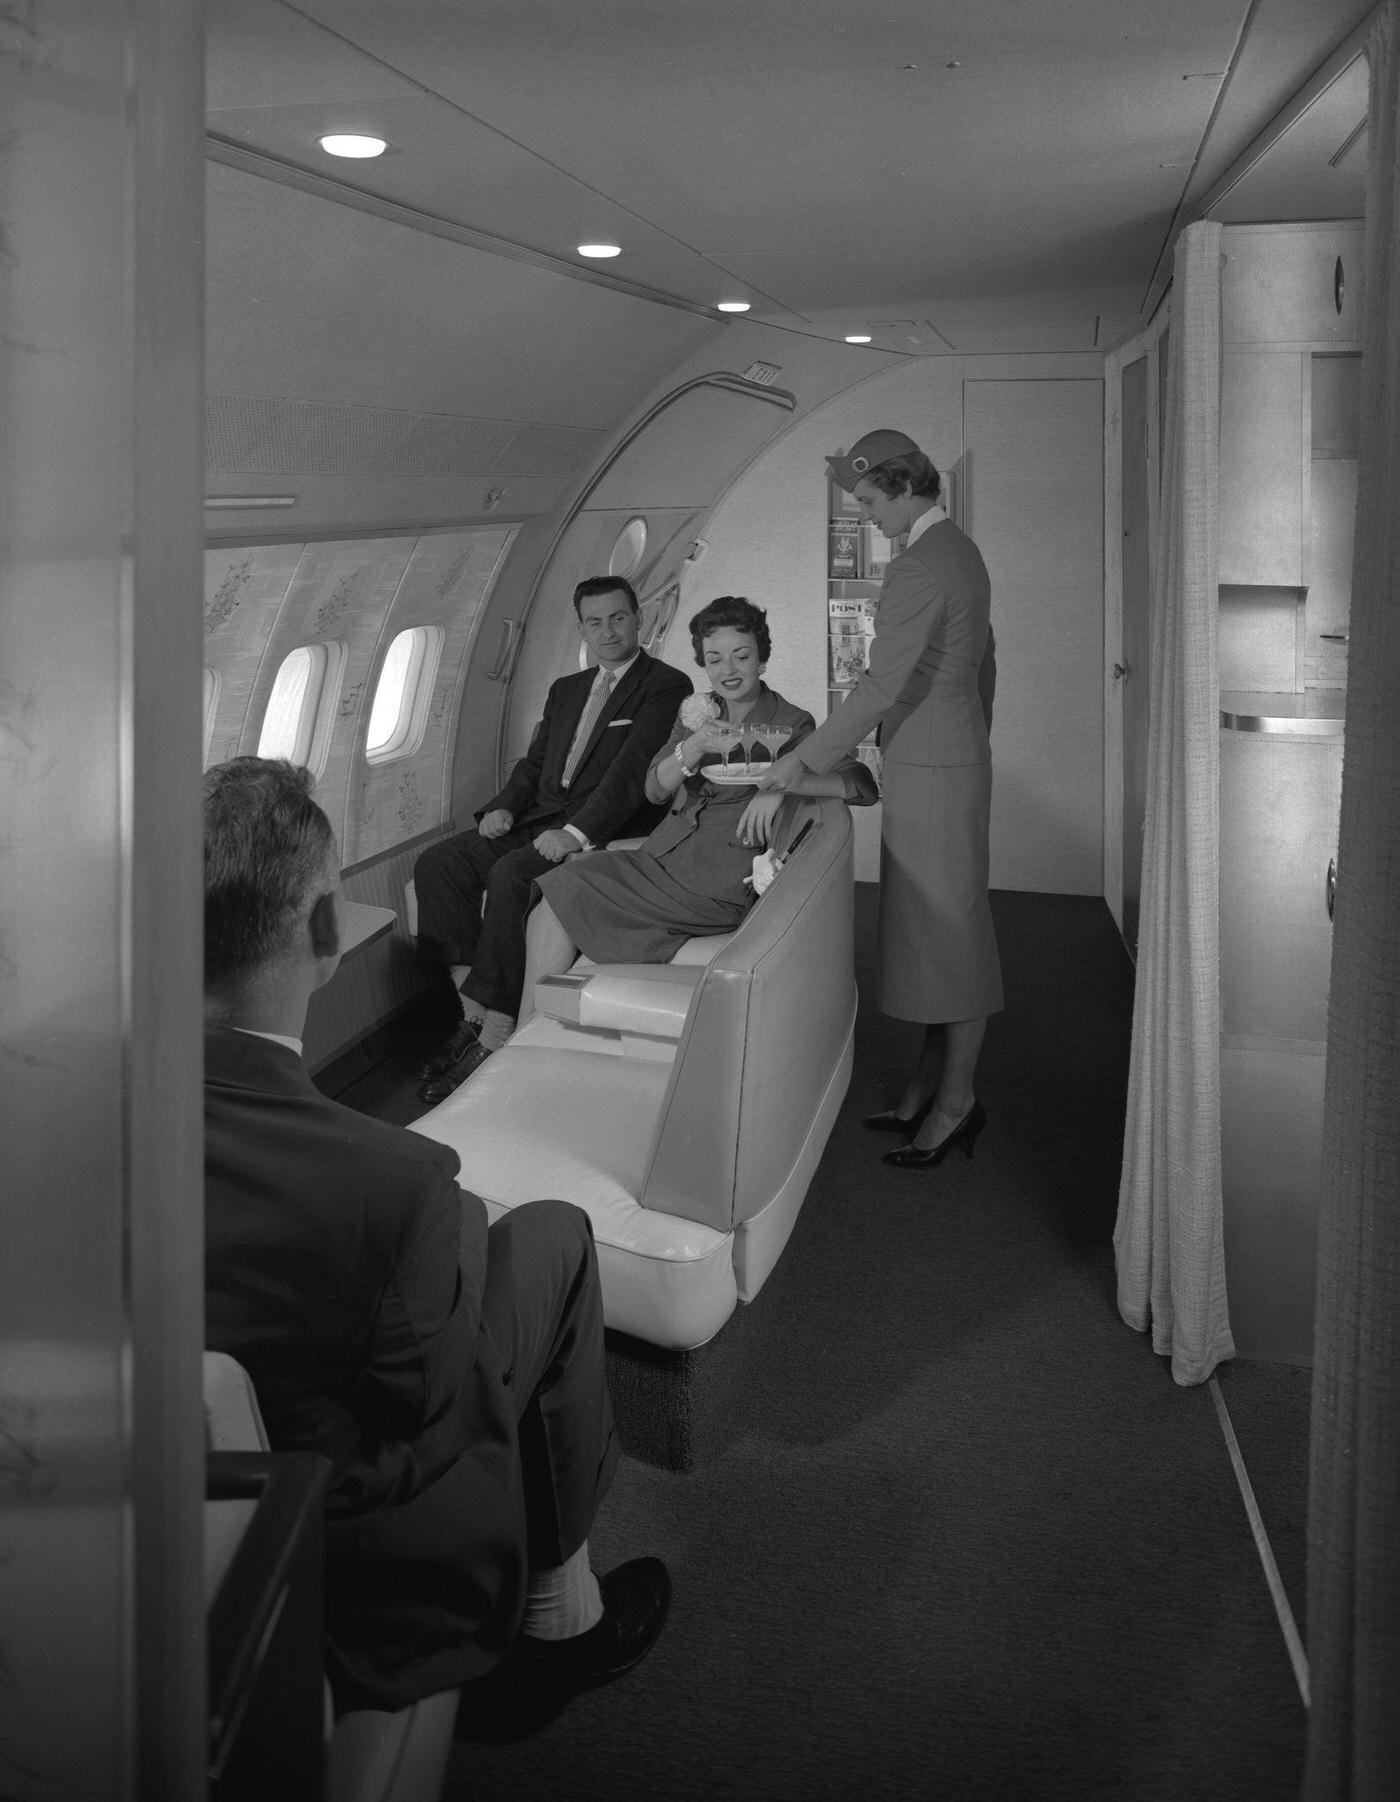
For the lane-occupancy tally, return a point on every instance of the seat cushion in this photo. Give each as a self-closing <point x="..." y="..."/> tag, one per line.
<point x="537" y="1121"/>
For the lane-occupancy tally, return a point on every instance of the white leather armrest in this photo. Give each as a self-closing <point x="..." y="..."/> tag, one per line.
<point x="642" y="998"/>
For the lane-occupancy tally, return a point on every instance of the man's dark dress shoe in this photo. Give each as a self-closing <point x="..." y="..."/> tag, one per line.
<point x="913" y="1157"/>
<point x="456" y="1048"/>
<point x="438" y="1088"/>
<point x="636" y="1597"/>
<point x="541" y="1677"/>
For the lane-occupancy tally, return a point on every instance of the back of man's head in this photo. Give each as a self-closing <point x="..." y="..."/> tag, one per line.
<point x="267" y="849"/>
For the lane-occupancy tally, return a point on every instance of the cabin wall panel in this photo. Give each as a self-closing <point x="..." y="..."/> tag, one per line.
<point x="262" y="601"/>
<point x="446" y="584"/>
<point x="244" y="589"/>
<point x="340" y="593"/>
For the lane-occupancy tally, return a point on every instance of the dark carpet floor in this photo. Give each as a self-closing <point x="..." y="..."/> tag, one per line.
<point x="968" y="1539"/>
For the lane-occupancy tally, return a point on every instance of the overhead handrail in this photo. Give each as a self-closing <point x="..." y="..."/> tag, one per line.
<point x="512" y="636"/>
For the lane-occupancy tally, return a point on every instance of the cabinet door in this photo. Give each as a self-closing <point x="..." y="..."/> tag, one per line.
<point x="1262" y="492"/>
<point x="1280" y="802"/>
<point x="1282" y="284"/>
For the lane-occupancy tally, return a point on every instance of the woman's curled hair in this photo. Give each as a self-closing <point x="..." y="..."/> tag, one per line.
<point x="731" y="610"/>
<point x="914" y="468"/>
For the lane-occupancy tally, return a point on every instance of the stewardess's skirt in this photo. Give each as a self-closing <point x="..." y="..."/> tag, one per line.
<point x="938" y="955"/>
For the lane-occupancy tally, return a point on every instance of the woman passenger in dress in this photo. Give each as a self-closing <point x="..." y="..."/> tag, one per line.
<point x="928" y="688"/>
<point x="691" y="875"/>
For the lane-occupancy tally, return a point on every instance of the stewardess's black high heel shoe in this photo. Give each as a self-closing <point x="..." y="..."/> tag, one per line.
<point x="910" y="1157"/>
<point x="890" y="1122"/>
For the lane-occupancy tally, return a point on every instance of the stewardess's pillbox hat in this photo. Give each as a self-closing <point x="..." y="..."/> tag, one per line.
<point x="865" y="453"/>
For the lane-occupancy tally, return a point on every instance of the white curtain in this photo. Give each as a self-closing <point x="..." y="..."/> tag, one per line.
<point x="1354" y="1500"/>
<point x="1169" y="1238"/>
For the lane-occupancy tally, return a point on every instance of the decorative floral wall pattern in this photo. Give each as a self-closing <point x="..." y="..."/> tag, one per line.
<point x="227" y="595"/>
<point x="342" y="597"/>
<point x="410" y="807"/>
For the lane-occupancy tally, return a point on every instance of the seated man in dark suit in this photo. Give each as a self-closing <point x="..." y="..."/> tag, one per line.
<point x="582" y="782"/>
<point x="452" y="1373"/>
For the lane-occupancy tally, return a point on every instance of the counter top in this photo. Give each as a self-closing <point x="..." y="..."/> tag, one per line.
<point x="361" y="925"/>
<point x="1318" y="713"/>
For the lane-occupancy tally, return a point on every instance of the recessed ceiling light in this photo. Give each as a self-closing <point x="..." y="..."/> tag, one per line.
<point x="352" y="144"/>
<point x="733" y="306"/>
<point x="600" y="250"/>
<point x="857" y="337"/>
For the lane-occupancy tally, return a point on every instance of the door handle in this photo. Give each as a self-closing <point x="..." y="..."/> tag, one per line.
<point x="1331" y="888"/>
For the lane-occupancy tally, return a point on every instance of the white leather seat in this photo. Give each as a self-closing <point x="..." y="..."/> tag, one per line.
<point x="684" y="1108"/>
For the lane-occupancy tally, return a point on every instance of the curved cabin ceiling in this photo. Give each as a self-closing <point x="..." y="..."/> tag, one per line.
<point x="413" y="334"/>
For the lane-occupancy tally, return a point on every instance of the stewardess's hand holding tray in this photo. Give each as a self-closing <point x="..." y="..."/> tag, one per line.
<point x="784" y="777"/>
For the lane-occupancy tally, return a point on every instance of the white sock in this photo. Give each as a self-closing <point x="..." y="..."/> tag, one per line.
<point x="563" y="1601"/>
<point x="496" y="1028"/>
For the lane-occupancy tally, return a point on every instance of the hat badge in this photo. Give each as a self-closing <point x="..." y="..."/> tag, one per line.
<point x="860" y="464"/>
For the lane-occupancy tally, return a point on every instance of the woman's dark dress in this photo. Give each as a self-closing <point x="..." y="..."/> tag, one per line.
<point x="639" y="907"/>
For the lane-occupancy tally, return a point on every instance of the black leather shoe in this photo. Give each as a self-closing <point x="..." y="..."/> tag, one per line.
<point x="636" y="1597"/>
<point x="911" y="1157"/>
<point x="453" y="1051"/>
<point x="438" y="1088"/>
<point x="539" y="1678"/>
<point x="890" y="1121"/>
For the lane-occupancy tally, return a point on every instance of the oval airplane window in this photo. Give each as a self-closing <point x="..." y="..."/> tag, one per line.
<point x="297" y="724"/>
<point x="400" y="711"/>
<point x="286" y="726"/>
<point x="628" y="549"/>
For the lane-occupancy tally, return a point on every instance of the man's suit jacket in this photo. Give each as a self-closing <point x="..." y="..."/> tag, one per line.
<point x="607" y="797"/>
<point x="344" y="1269"/>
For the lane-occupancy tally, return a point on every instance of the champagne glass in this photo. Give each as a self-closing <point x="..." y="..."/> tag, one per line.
<point x="727" y="734"/>
<point x="773" y="736"/>
<point x="749" y="736"/>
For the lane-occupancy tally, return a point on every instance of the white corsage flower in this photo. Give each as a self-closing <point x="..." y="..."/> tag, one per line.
<point x="697" y="709"/>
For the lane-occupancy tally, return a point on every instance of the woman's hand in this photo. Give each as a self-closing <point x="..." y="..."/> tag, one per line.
<point x="709" y="737"/>
<point x="756" y="821"/>
<point x="783" y="777"/>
